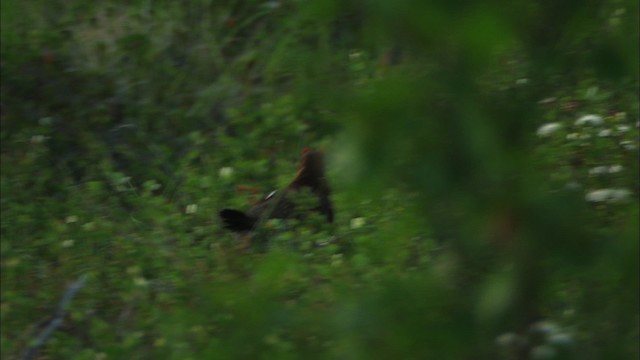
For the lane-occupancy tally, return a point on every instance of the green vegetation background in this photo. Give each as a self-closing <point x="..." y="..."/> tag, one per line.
<point x="465" y="229"/>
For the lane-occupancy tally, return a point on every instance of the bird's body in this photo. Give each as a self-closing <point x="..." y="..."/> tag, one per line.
<point x="279" y="204"/>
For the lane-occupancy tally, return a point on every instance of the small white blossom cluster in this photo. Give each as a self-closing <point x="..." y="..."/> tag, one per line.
<point x="549" y="339"/>
<point x="357" y="223"/>
<point x="592" y="120"/>
<point x="140" y="281"/>
<point x="628" y="144"/>
<point x="586" y="120"/>
<point x="71" y="219"/>
<point x="191" y="209"/>
<point x="617" y="130"/>
<point x="68" y="243"/>
<point x="586" y="127"/>
<point x="600" y="170"/>
<point x="611" y="195"/>
<point x="225" y="172"/>
<point x="39" y="139"/>
<point x="548" y="129"/>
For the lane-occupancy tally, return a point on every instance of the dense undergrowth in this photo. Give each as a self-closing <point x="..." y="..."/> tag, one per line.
<point x="483" y="159"/>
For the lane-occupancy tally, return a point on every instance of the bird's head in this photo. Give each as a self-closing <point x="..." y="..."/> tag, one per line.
<point x="311" y="163"/>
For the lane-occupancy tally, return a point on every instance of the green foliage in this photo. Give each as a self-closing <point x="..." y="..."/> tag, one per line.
<point x="483" y="161"/>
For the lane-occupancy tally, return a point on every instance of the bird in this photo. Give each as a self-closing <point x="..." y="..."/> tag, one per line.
<point x="281" y="204"/>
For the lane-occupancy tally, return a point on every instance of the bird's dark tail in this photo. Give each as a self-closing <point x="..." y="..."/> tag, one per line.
<point x="236" y="220"/>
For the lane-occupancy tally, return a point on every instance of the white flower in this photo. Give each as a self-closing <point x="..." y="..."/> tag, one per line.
<point x="604" y="133"/>
<point x="508" y="340"/>
<point x="621" y="115"/>
<point x="561" y="339"/>
<point x="191" y="209"/>
<point x="619" y="195"/>
<point x="589" y="120"/>
<point x="585" y="136"/>
<point x="598" y="170"/>
<point x="71" y="219"/>
<point x="608" y="195"/>
<point x="548" y="100"/>
<point x="598" y="195"/>
<point x="357" y="223"/>
<point x="68" y="243"/>
<point x="615" y="168"/>
<point x="622" y="128"/>
<point x="225" y="172"/>
<point x="627" y="145"/>
<point x="544" y="327"/>
<point x="140" y="281"/>
<point x="354" y="55"/>
<point x="572" y="136"/>
<point x="548" y="129"/>
<point x="38" y="139"/>
<point x="523" y="81"/>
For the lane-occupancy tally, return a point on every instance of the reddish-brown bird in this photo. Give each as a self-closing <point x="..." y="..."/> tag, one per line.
<point x="278" y="204"/>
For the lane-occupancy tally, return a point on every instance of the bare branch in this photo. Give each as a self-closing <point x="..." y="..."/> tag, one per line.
<point x="57" y="319"/>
